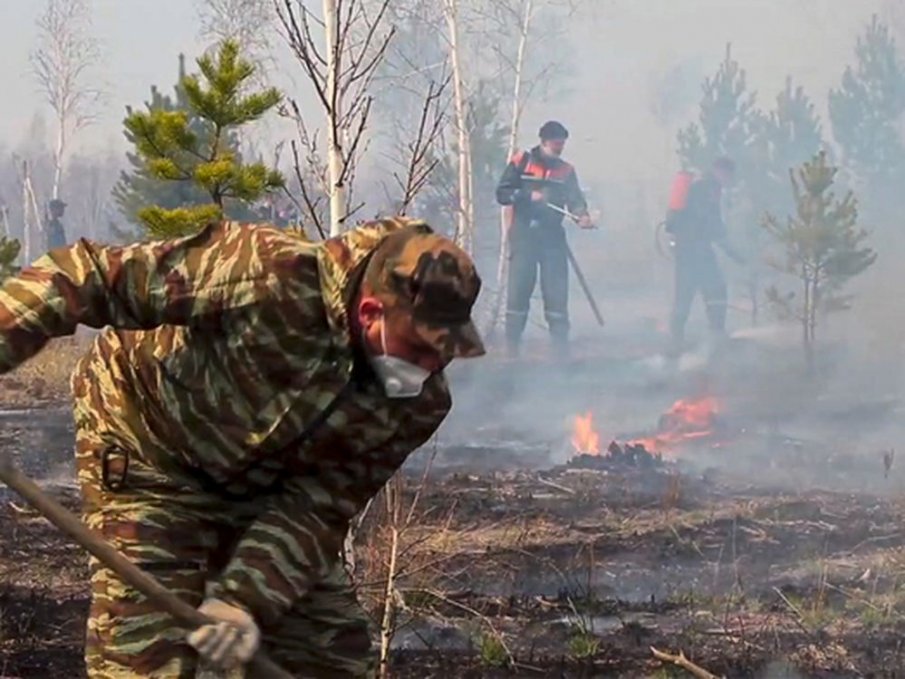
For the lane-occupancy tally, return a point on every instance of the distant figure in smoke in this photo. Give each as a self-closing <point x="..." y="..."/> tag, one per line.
<point x="56" y="236"/>
<point x="696" y="224"/>
<point x="534" y="181"/>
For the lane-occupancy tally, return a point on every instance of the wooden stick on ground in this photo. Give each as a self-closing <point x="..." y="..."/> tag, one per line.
<point x="564" y="489"/>
<point x="683" y="662"/>
<point x="259" y="666"/>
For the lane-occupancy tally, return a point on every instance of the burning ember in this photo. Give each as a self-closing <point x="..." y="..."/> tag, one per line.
<point x="585" y="439"/>
<point x="686" y="420"/>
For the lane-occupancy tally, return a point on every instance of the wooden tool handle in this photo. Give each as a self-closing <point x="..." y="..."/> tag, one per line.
<point x="259" y="666"/>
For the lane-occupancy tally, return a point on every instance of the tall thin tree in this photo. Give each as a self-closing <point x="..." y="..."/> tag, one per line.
<point x="465" y="212"/>
<point x="62" y="63"/>
<point x="340" y="64"/>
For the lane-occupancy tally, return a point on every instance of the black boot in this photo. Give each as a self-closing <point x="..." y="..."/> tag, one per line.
<point x="515" y="326"/>
<point x="559" y="345"/>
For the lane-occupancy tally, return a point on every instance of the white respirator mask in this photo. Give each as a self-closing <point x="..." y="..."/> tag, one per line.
<point x="400" y="379"/>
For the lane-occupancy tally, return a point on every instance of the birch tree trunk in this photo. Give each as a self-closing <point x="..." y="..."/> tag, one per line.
<point x="4" y="213"/>
<point x="26" y="220"/>
<point x="32" y="225"/>
<point x="58" y="158"/>
<point x="506" y="212"/>
<point x="465" y="214"/>
<point x="517" y="83"/>
<point x="39" y="232"/>
<point x="334" y="119"/>
<point x="469" y="190"/>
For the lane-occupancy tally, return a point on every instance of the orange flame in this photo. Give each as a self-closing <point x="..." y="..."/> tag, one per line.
<point x="695" y="415"/>
<point x="585" y="438"/>
<point x="684" y="421"/>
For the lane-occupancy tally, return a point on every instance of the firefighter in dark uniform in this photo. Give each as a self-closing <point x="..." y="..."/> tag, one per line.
<point x="56" y="236"/>
<point x="534" y="181"/>
<point x="695" y="230"/>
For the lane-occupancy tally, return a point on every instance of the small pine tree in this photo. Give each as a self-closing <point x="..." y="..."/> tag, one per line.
<point x="9" y="253"/>
<point x="726" y="123"/>
<point x="823" y="248"/>
<point x="787" y="137"/>
<point x="193" y="147"/>
<point x="489" y="138"/>
<point x="138" y="188"/>
<point x="865" y="113"/>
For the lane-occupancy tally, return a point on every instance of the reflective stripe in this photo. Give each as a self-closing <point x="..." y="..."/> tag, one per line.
<point x="539" y="171"/>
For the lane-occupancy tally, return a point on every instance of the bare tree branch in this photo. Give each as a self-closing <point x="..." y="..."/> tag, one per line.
<point x="340" y="68"/>
<point x="311" y="168"/>
<point x="248" y="22"/>
<point x="61" y="63"/>
<point x="421" y="163"/>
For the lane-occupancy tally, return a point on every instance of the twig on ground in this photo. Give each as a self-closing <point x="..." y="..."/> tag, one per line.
<point x="799" y="616"/>
<point x="683" y="662"/>
<point x="557" y="486"/>
<point x="876" y="538"/>
<point x="440" y="596"/>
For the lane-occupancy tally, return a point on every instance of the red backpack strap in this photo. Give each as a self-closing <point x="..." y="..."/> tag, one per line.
<point x="521" y="160"/>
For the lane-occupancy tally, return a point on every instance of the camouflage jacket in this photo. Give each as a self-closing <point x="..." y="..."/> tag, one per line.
<point x="230" y="361"/>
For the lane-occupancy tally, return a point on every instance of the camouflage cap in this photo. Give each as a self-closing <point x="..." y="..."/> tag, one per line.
<point x="429" y="277"/>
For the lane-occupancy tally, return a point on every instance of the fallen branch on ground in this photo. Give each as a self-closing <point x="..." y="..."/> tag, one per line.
<point x="683" y="662"/>
<point x="557" y="486"/>
<point x="799" y="616"/>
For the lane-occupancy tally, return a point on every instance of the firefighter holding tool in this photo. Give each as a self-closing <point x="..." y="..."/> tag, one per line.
<point x="249" y="393"/>
<point x="541" y="189"/>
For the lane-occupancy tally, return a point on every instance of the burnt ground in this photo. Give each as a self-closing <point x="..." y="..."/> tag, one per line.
<point x="579" y="572"/>
<point x="512" y="561"/>
<point x="569" y="572"/>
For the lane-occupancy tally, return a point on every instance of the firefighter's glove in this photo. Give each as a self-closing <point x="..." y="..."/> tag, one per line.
<point x="231" y="640"/>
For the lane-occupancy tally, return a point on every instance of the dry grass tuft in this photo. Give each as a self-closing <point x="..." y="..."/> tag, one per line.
<point x="44" y="379"/>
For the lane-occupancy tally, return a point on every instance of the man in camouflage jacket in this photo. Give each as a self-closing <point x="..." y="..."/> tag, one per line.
<point x="236" y="415"/>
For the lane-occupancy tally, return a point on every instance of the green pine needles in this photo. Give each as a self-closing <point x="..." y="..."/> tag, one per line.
<point x="9" y="253"/>
<point x="194" y="145"/>
<point x="822" y="246"/>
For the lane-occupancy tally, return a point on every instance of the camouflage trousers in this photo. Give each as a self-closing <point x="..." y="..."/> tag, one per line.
<point x="183" y="537"/>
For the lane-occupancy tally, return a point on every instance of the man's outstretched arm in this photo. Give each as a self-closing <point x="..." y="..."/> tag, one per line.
<point x="184" y="281"/>
<point x="575" y="199"/>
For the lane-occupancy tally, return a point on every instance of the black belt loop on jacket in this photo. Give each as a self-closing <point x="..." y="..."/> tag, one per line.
<point x="113" y="475"/>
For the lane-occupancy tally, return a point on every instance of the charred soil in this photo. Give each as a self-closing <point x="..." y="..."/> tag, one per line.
<point x="567" y="572"/>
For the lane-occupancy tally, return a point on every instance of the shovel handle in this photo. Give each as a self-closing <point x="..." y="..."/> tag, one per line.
<point x="260" y="665"/>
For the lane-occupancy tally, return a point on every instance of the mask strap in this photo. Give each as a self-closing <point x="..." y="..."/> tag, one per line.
<point x="383" y="335"/>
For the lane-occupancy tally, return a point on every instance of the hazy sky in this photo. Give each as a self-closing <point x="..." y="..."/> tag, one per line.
<point x="140" y="39"/>
<point x="633" y="43"/>
<point x="620" y="49"/>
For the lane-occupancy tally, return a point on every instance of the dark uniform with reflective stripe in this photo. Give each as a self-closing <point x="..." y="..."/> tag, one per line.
<point x="537" y="240"/>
